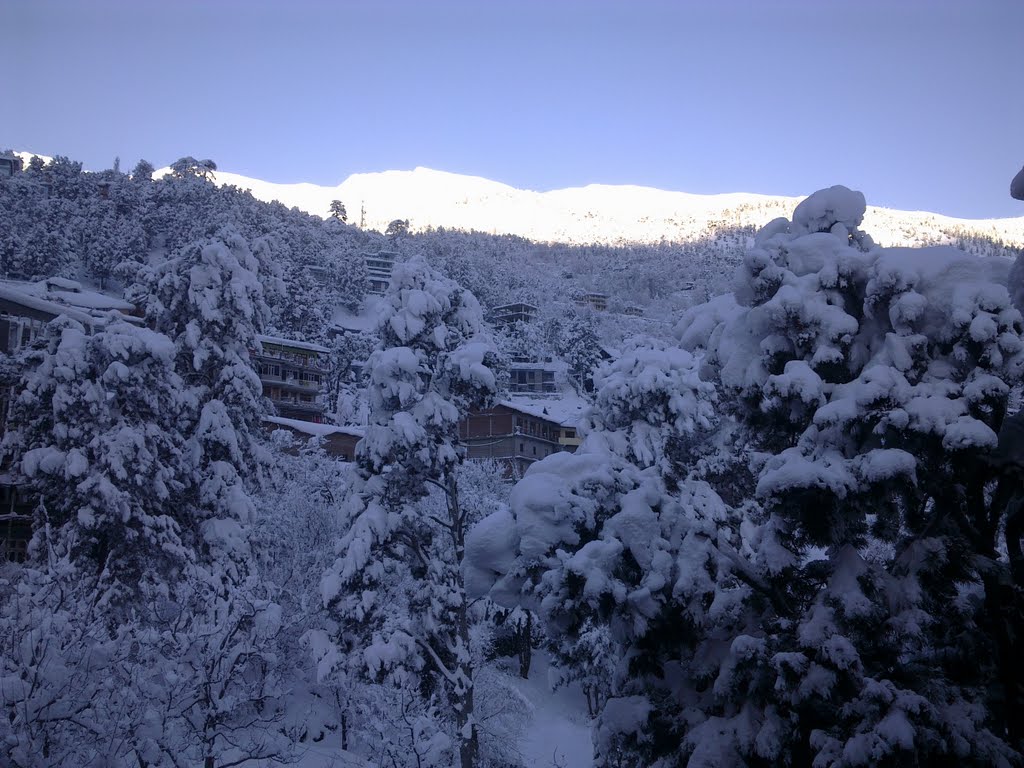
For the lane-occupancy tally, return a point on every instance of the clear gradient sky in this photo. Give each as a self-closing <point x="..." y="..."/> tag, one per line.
<point x="918" y="103"/>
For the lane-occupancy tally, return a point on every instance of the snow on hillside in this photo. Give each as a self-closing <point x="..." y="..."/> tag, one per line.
<point x="593" y="214"/>
<point x="26" y="157"/>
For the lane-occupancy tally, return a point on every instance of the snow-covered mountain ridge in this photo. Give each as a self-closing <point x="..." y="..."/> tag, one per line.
<point x="596" y="213"/>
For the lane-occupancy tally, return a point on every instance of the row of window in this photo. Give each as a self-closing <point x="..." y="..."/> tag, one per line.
<point x="278" y="395"/>
<point x="272" y="369"/>
<point x="535" y="428"/>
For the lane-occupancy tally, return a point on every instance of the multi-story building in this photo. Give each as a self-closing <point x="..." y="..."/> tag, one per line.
<point x="378" y="271"/>
<point x="293" y="373"/>
<point x="596" y="301"/>
<point x="518" y="433"/>
<point x="508" y="314"/>
<point x="530" y="375"/>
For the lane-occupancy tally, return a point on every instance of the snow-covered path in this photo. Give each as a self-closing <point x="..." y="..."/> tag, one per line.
<point x="559" y="736"/>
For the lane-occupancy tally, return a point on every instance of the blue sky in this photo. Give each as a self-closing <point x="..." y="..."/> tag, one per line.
<point x="918" y="103"/>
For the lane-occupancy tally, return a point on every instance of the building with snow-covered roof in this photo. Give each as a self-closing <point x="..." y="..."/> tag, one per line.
<point x="23" y="317"/>
<point x="538" y="376"/>
<point x="519" y="431"/>
<point x="378" y="271"/>
<point x="46" y="299"/>
<point x="343" y="322"/>
<point x="339" y="442"/>
<point x="293" y="373"/>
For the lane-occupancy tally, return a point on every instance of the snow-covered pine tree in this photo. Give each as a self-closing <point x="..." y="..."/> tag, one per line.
<point x="580" y="346"/>
<point x="96" y="433"/>
<point x="143" y="171"/>
<point x="618" y="538"/>
<point x="345" y="390"/>
<point x="396" y="588"/>
<point x="873" y="382"/>
<point x="209" y="300"/>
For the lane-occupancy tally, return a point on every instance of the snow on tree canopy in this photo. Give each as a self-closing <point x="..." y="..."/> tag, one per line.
<point x="98" y="439"/>
<point x="869" y="384"/>
<point x="397" y="587"/>
<point x="822" y="322"/>
<point x="823" y="210"/>
<point x="619" y="534"/>
<point x="860" y="390"/>
<point x="650" y="402"/>
<point x="432" y="364"/>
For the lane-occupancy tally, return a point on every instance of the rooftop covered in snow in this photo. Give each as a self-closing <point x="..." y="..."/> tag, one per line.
<point x="312" y="428"/>
<point x="68" y="296"/>
<point x="293" y="343"/>
<point x="16" y="295"/>
<point x="565" y="410"/>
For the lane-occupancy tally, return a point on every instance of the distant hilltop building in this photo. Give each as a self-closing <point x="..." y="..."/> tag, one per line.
<point x="378" y="271"/>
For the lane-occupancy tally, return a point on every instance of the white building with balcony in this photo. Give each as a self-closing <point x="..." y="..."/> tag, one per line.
<point x="293" y="374"/>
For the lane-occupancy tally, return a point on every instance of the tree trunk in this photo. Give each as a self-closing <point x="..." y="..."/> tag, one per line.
<point x="469" y="741"/>
<point x="526" y="646"/>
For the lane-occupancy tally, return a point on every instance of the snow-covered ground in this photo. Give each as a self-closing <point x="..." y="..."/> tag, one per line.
<point x="559" y="736"/>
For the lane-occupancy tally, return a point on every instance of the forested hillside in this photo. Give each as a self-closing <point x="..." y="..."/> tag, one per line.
<point x="788" y="531"/>
<point x="103" y="227"/>
<point x="106" y="227"/>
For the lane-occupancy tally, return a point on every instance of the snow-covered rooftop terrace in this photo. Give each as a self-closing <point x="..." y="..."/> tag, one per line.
<point x="565" y="409"/>
<point x="314" y="429"/>
<point x="283" y="342"/>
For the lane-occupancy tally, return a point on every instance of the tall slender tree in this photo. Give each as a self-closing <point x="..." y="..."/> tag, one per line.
<point x="431" y="367"/>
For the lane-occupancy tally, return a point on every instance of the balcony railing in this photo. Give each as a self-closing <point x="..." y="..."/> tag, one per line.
<point x="292" y="381"/>
<point x="302" y="361"/>
<point x="292" y="402"/>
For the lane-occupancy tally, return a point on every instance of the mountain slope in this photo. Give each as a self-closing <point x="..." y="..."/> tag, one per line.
<point x="592" y="214"/>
